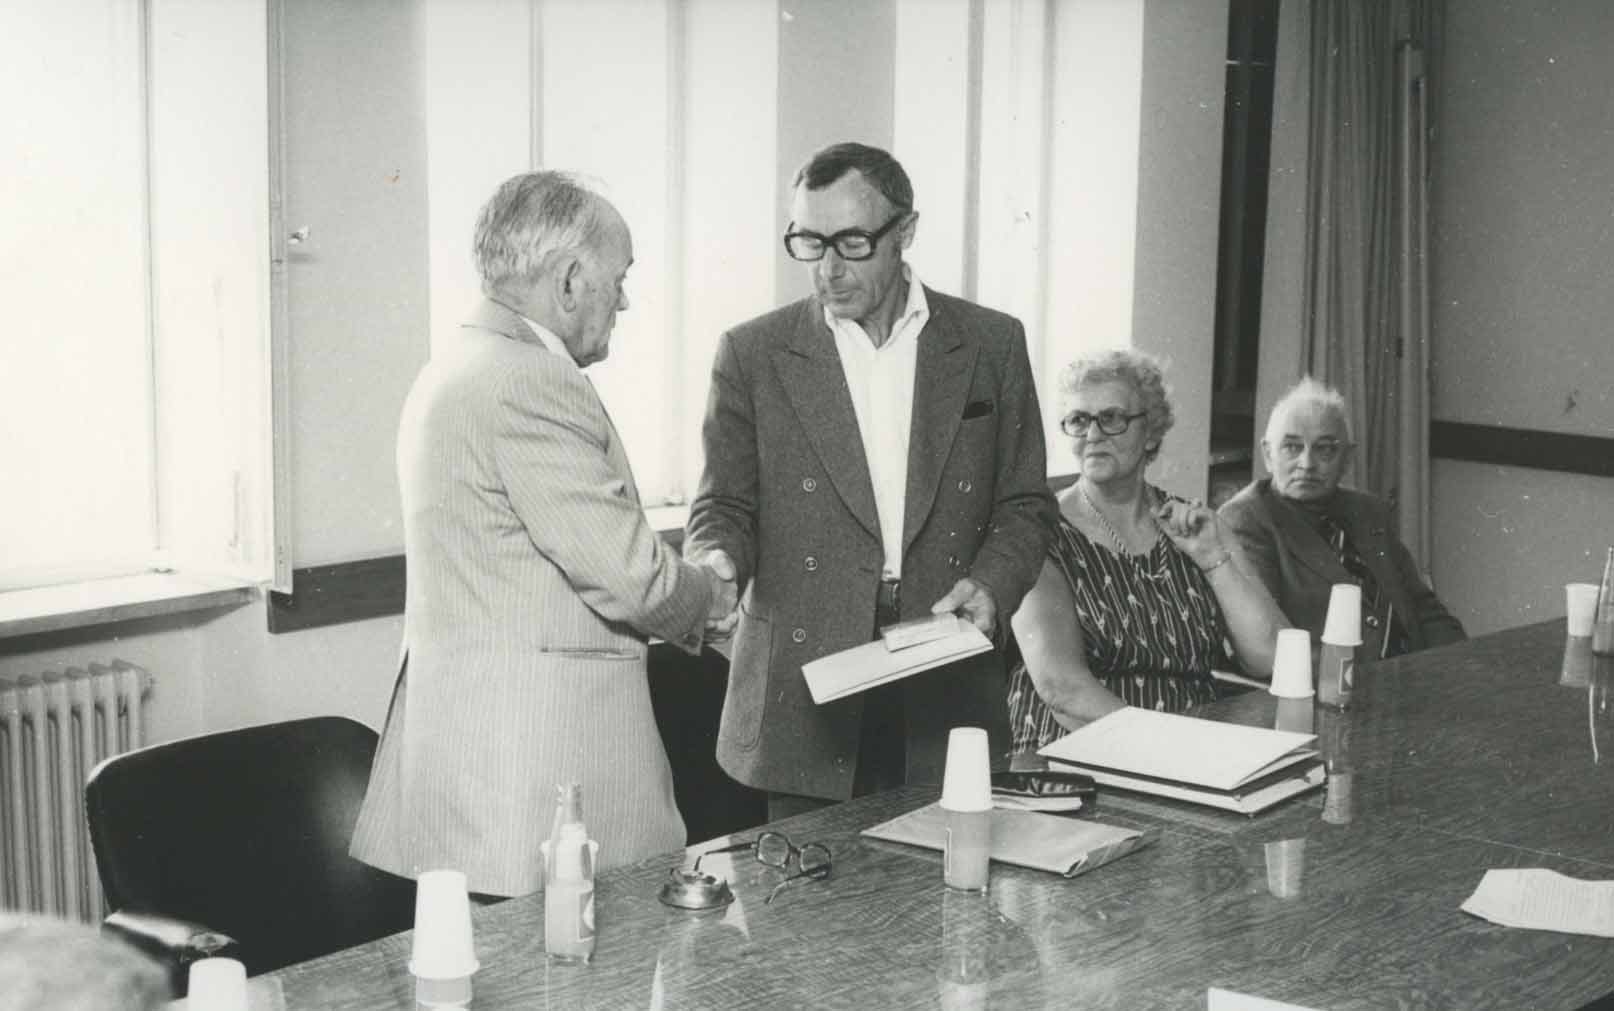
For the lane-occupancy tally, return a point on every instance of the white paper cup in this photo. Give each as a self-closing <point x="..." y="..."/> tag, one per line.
<point x="443" y="949"/>
<point x="967" y="778"/>
<point x="1343" y="626"/>
<point x="1291" y="665"/>
<point x="217" y="984"/>
<point x="1581" y="601"/>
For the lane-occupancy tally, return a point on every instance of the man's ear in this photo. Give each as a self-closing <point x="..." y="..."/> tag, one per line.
<point x="569" y="284"/>
<point x="906" y="230"/>
<point x="1266" y="457"/>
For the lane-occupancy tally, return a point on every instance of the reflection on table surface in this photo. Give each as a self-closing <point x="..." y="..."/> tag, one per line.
<point x="1448" y="763"/>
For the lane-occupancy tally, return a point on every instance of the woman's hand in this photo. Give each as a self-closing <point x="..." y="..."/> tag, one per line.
<point x="1194" y="528"/>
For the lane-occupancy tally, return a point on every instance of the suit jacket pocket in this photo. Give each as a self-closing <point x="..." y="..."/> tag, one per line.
<point x="589" y="652"/>
<point x="977" y="409"/>
<point x="747" y="697"/>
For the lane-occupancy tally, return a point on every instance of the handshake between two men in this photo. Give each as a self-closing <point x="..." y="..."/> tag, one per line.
<point x="969" y="599"/>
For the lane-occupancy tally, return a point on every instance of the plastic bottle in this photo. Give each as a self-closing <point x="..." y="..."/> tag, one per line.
<point x="1603" y="613"/>
<point x="569" y="881"/>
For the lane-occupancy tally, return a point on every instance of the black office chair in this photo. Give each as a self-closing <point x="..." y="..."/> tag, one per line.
<point x="242" y="833"/>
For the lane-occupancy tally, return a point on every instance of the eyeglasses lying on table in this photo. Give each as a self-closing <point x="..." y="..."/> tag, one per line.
<point x="813" y="860"/>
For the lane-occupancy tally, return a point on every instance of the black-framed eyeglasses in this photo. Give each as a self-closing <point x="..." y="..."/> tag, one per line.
<point x="1111" y="421"/>
<point x="813" y="860"/>
<point x="1323" y="450"/>
<point x="849" y="243"/>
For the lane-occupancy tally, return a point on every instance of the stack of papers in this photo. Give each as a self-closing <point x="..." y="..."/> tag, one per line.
<point x="1044" y="842"/>
<point x="875" y="663"/>
<point x="1538" y="899"/>
<point x="1236" y="768"/>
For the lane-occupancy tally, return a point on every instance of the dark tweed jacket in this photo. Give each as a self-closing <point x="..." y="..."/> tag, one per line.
<point x="787" y="493"/>
<point x="1300" y="568"/>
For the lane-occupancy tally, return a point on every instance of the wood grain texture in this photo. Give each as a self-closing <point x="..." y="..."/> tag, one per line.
<point x="1461" y="759"/>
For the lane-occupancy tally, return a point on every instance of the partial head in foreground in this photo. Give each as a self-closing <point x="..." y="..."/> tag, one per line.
<point x="54" y="965"/>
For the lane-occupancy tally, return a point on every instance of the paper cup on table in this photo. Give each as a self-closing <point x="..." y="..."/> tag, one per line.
<point x="1343" y="626"/>
<point x="966" y="801"/>
<point x="1581" y="600"/>
<point x="217" y="984"/>
<point x="1291" y="664"/>
<point x="444" y="957"/>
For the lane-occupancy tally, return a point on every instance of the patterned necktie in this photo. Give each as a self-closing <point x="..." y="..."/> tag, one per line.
<point x="1374" y="605"/>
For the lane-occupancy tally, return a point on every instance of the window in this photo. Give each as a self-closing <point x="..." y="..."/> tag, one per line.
<point x="681" y="133"/>
<point x="135" y="372"/>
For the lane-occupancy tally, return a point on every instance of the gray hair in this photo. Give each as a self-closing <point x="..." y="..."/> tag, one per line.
<point x="48" y="964"/>
<point x="531" y="221"/>
<point x="1309" y="392"/>
<point x="1138" y="369"/>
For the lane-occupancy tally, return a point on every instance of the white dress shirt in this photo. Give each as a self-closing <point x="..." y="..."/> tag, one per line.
<point x="881" y="382"/>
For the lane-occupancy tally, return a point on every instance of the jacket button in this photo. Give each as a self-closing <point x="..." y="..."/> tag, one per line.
<point x="1372" y="621"/>
<point x="952" y="561"/>
<point x="808" y="484"/>
<point x="965" y="487"/>
<point x="811" y="564"/>
<point x="798" y="635"/>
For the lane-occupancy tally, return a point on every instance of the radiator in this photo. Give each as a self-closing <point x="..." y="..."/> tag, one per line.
<point x="53" y="729"/>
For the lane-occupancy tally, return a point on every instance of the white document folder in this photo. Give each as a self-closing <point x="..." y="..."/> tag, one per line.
<point x="863" y="667"/>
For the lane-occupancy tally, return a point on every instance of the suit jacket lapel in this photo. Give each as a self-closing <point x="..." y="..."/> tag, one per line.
<point x="1304" y="541"/>
<point x="813" y="378"/>
<point x="941" y="387"/>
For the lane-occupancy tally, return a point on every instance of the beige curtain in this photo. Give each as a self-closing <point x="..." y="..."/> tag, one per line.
<point x="1364" y="292"/>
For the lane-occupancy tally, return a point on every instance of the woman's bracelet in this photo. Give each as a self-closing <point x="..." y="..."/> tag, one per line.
<point x="1213" y="566"/>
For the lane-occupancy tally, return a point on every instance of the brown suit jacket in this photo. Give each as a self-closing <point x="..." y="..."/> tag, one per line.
<point x="1300" y="568"/>
<point x="787" y="493"/>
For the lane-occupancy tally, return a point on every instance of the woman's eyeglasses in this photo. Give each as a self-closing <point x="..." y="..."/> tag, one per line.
<point x="813" y="860"/>
<point x="1111" y="421"/>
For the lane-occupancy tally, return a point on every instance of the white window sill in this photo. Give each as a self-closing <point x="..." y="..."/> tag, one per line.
<point x="98" y="601"/>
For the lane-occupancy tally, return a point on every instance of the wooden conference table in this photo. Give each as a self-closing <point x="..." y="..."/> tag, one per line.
<point x="1449" y="762"/>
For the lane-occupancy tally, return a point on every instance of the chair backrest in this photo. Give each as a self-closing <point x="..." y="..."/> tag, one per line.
<point x="246" y="832"/>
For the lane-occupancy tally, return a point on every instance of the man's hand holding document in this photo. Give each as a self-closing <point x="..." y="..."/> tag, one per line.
<point x="901" y="650"/>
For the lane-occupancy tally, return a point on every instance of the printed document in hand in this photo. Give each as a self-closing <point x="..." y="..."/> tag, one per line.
<point x="1236" y="768"/>
<point x="862" y="667"/>
<point x="1538" y="899"/>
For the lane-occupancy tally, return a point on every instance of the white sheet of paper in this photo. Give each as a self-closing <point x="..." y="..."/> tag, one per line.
<point x="862" y="667"/>
<point x="1217" y="999"/>
<point x="1535" y="898"/>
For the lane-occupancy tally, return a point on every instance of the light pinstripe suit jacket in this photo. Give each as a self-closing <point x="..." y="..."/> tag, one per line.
<point x="534" y="582"/>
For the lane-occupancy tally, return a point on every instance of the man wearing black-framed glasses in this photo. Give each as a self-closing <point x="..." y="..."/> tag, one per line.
<point x="873" y="453"/>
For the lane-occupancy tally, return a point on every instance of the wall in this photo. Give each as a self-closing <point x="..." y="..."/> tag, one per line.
<point x="356" y="176"/>
<point x="1179" y="204"/>
<point x="357" y="153"/>
<point x="1521" y="301"/>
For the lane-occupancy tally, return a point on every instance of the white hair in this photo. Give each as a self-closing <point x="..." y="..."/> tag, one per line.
<point x="531" y="221"/>
<point x="1308" y="392"/>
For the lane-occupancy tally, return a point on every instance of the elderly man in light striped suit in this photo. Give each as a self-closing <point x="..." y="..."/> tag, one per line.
<point x="534" y="580"/>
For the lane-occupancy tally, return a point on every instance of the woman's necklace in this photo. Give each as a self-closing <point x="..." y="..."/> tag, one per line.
<point x="1115" y="537"/>
<point x="1140" y="563"/>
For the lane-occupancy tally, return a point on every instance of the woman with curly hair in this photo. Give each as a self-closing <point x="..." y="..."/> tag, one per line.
<point x="1141" y="594"/>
